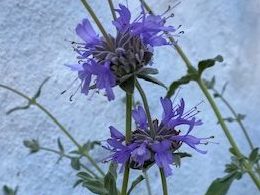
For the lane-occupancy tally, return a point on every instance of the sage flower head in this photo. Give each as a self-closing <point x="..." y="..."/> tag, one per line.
<point x="117" y="60"/>
<point x="146" y="148"/>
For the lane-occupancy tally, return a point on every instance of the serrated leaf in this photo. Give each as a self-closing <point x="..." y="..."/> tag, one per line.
<point x="135" y="183"/>
<point x="182" y="81"/>
<point x="253" y="155"/>
<point x="204" y="64"/>
<point x="33" y="145"/>
<point x="151" y="79"/>
<point x="61" y="148"/>
<point x="220" y="186"/>
<point x="75" y="163"/>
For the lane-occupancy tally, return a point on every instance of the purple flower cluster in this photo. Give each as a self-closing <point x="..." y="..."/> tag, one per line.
<point x="104" y="62"/>
<point x="145" y="147"/>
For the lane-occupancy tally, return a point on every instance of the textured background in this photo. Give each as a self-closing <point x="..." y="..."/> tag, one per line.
<point x="32" y="34"/>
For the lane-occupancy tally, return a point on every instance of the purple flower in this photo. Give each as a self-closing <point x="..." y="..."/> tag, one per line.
<point x="140" y="117"/>
<point x="149" y="27"/>
<point x="163" y="156"/>
<point x="106" y="62"/>
<point x="145" y="148"/>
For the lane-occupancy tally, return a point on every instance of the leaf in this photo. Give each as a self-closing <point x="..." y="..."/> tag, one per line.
<point x="38" y="93"/>
<point x="95" y="185"/>
<point x="220" y="186"/>
<point x="152" y="80"/>
<point x="224" y="88"/>
<point x="232" y="151"/>
<point x="33" y="145"/>
<point x="182" y="81"/>
<point x="75" y="163"/>
<point x="61" y="148"/>
<point x="110" y="179"/>
<point x="183" y="154"/>
<point x="135" y="183"/>
<point x="147" y="70"/>
<point x="241" y="117"/>
<point x="177" y="160"/>
<point x="31" y="101"/>
<point x="253" y="155"/>
<point x="9" y="191"/>
<point x="210" y="84"/>
<point x="204" y="64"/>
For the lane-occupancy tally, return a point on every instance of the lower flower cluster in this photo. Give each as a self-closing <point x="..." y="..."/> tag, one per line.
<point x="156" y="144"/>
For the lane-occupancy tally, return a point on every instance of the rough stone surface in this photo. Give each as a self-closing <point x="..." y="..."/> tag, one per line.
<point x="32" y="34"/>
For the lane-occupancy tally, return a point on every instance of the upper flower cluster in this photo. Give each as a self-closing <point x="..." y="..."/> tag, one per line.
<point x="105" y="62"/>
<point x="145" y="148"/>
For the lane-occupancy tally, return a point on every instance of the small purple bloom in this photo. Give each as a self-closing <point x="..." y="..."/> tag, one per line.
<point x="140" y="117"/>
<point x="145" y="148"/>
<point x="118" y="59"/>
<point x="163" y="156"/>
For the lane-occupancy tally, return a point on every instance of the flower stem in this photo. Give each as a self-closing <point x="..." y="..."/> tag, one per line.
<point x="164" y="182"/>
<point x="110" y="2"/>
<point x="62" y="128"/>
<point x="128" y="133"/>
<point x="236" y="117"/>
<point x="95" y="18"/>
<point x="146" y="107"/>
<point x="148" y="186"/>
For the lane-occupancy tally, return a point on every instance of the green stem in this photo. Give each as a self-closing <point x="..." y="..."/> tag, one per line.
<point x="148" y="186"/>
<point x="95" y="18"/>
<point x="236" y="117"/>
<point x="128" y="133"/>
<point x="212" y="103"/>
<point x="146" y="107"/>
<point x="62" y="128"/>
<point x="164" y="182"/>
<point x="110" y="2"/>
<point x="69" y="157"/>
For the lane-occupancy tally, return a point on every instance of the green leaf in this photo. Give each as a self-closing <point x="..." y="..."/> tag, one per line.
<point x="253" y="155"/>
<point x="147" y="70"/>
<point x="233" y="151"/>
<point x="75" y="163"/>
<point x="183" y="154"/>
<point x="110" y="179"/>
<point x="204" y="64"/>
<point x="61" y="148"/>
<point x="135" y="183"/>
<point x="210" y="84"/>
<point x="95" y="185"/>
<point x="182" y="81"/>
<point x="220" y="186"/>
<point x="9" y="191"/>
<point x="33" y="145"/>
<point x="241" y="117"/>
<point x="152" y="80"/>
<point x="38" y="93"/>
<point x="30" y="102"/>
